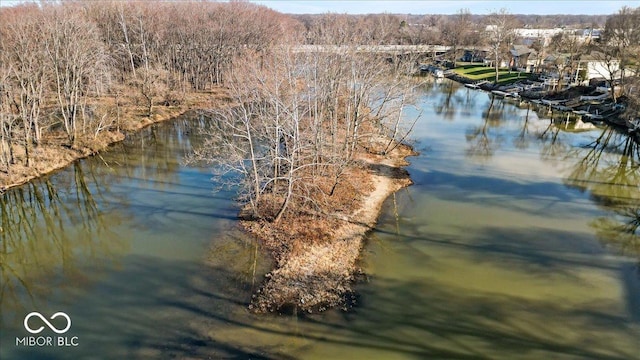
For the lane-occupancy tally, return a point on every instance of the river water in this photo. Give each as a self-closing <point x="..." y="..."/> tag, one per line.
<point x="518" y="240"/>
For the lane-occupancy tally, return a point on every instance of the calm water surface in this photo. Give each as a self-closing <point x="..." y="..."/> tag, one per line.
<point x="519" y="240"/>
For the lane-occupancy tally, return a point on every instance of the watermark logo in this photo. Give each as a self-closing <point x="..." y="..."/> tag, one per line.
<point x="53" y="328"/>
<point x="40" y="341"/>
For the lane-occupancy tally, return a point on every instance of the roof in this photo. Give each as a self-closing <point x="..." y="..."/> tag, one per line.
<point x="556" y="58"/>
<point x="596" y="56"/>
<point x="521" y="50"/>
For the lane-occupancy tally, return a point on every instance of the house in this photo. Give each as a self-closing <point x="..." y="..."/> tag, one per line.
<point x="583" y="67"/>
<point x="554" y="62"/>
<point x="598" y="65"/>
<point x="475" y="54"/>
<point x="523" y="57"/>
<point x="589" y="35"/>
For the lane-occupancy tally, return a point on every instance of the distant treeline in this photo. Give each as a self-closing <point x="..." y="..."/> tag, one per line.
<point x="421" y="29"/>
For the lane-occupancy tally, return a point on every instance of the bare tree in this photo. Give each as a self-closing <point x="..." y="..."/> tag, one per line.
<point x="455" y="33"/>
<point x="568" y="64"/>
<point x="7" y="118"/>
<point x="29" y="75"/>
<point x="300" y="118"/>
<point x="619" y="47"/>
<point x="76" y="57"/>
<point x="500" y="33"/>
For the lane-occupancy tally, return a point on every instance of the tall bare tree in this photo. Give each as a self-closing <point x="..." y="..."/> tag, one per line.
<point x="569" y="50"/>
<point x="29" y="75"/>
<point x="619" y="48"/>
<point x="76" y="57"/>
<point x="499" y="30"/>
<point x="455" y="33"/>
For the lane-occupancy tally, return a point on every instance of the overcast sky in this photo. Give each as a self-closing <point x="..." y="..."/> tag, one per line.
<point x="589" y="7"/>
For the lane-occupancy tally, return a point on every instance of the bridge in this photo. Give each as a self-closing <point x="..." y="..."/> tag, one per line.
<point x="382" y="49"/>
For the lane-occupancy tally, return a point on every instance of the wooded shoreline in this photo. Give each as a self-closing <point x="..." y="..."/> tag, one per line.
<point x="54" y="154"/>
<point x="313" y="276"/>
<point x="317" y="275"/>
<point x="307" y="140"/>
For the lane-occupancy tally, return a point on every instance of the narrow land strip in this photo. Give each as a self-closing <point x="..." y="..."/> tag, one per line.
<point x="319" y="275"/>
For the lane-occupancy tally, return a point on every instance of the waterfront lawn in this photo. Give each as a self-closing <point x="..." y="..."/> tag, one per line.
<point x="480" y="72"/>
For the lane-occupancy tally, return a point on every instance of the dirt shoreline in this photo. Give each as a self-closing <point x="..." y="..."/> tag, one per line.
<point x="53" y="155"/>
<point x="320" y="275"/>
<point x="59" y="157"/>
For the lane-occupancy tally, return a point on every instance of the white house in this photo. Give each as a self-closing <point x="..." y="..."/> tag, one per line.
<point x="596" y="65"/>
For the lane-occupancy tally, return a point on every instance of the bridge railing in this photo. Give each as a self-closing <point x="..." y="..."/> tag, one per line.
<point x="372" y="48"/>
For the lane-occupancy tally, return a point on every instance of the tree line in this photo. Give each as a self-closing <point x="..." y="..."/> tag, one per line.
<point x="411" y="29"/>
<point x="297" y="121"/>
<point x="60" y="61"/>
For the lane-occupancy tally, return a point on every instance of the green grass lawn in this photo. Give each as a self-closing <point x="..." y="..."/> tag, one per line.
<point x="477" y="72"/>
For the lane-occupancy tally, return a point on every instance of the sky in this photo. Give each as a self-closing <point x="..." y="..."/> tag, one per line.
<point x="542" y="7"/>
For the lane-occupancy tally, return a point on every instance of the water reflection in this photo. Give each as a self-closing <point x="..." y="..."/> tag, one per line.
<point x="484" y="139"/>
<point x="137" y="249"/>
<point x="155" y="154"/>
<point x="553" y="146"/>
<point x="55" y="229"/>
<point x="609" y="169"/>
<point x="497" y="254"/>
<point x="457" y="324"/>
<point x="451" y="100"/>
<point x="50" y="232"/>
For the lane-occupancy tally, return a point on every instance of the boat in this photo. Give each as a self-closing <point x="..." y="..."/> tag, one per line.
<point x="561" y="107"/>
<point x="476" y="85"/>
<point x="595" y="97"/>
<point x="433" y="70"/>
<point x="633" y="126"/>
<point x="505" y="94"/>
<point x="552" y="102"/>
<point x="594" y="116"/>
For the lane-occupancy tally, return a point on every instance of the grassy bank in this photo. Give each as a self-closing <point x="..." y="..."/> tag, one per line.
<point x="476" y="73"/>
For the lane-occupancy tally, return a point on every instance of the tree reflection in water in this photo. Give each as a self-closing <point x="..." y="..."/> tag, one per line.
<point x="553" y="148"/>
<point x="49" y="233"/>
<point x="451" y="100"/>
<point x="610" y="171"/>
<point x="608" y="168"/>
<point x="481" y="144"/>
<point x="522" y="139"/>
<point x="53" y="229"/>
